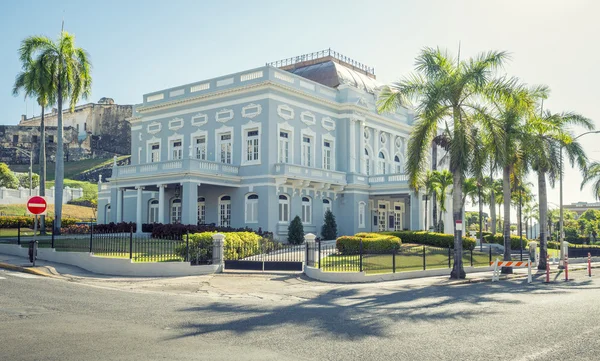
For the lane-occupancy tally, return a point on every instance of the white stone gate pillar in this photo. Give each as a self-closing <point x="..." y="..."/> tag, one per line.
<point x="218" y="251"/>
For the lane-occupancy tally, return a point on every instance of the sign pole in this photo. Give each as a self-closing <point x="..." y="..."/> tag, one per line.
<point x="34" y="241"/>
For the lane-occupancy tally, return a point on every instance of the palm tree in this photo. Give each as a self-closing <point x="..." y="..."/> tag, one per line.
<point x="447" y="90"/>
<point x="70" y="74"/>
<point x="593" y="175"/>
<point x="469" y="190"/>
<point x="443" y="180"/>
<point x="531" y="212"/>
<point x="34" y="80"/>
<point x="546" y="134"/>
<point x="431" y="187"/>
<point x="497" y="193"/>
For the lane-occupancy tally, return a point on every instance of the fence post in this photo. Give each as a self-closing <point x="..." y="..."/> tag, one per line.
<point x="19" y="232"/>
<point x="424" y="264"/>
<point x="449" y="257"/>
<point x="490" y="253"/>
<point x="361" y="256"/>
<point x="52" y="235"/>
<point x="319" y="254"/>
<point x="218" y="254"/>
<point x="131" y="242"/>
<point x="471" y="258"/>
<point x="394" y="261"/>
<point x="309" y="239"/>
<point x="91" y="236"/>
<point x="187" y="246"/>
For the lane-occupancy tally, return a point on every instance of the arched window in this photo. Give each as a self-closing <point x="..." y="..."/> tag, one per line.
<point x="398" y="164"/>
<point x="225" y="211"/>
<point x="284" y="209"/>
<point x="326" y="206"/>
<point x="306" y="210"/>
<point x="153" y="211"/>
<point x="176" y="210"/>
<point x="201" y="210"/>
<point x="107" y="214"/>
<point x="367" y="161"/>
<point x="361" y="215"/>
<point x="251" y="208"/>
<point x="381" y="163"/>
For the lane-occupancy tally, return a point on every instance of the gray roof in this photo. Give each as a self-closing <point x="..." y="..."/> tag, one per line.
<point x="332" y="74"/>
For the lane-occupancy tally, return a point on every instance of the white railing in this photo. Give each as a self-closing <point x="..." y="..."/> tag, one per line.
<point x="148" y="168"/>
<point x="398" y="178"/>
<point x="376" y="179"/>
<point x="284" y="77"/>
<point x="199" y="87"/>
<point x="174" y="164"/>
<point x="251" y="76"/>
<point x="318" y="174"/>
<point x="388" y="178"/>
<point x="155" y="97"/>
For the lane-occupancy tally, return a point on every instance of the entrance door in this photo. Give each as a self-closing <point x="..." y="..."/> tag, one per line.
<point x="382" y="216"/>
<point x="398" y="217"/>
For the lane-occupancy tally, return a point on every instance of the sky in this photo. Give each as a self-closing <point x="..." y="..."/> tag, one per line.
<point x="138" y="47"/>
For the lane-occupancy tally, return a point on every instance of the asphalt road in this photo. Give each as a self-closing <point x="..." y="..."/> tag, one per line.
<point x="49" y="319"/>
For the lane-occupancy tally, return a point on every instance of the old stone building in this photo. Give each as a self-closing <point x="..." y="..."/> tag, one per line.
<point x="94" y="130"/>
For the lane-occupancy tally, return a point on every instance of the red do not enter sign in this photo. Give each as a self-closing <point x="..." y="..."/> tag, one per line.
<point x="37" y="205"/>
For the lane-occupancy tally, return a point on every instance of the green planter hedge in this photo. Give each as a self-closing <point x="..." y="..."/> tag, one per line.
<point x="372" y="243"/>
<point x="432" y="239"/>
<point x="515" y="242"/>
<point x="23" y="221"/>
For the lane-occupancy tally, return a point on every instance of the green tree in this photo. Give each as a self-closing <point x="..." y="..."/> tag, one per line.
<point x="7" y="177"/>
<point x="470" y="191"/>
<point x="70" y="75"/>
<point x="431" y="188"/>
<point x="592" y="175"/>
<point x="24" y="180"/>
<point x="296" y="231"/>
<point x="447" y="91"/>
<point x="329" y="228"/>
<point x="443" y="180"/>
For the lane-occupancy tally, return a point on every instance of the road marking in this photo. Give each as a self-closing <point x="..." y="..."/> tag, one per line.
<point x="20" y="275"/>
<point x="2" y="278"/>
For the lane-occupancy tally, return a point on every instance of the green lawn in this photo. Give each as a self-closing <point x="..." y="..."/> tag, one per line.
<point x="71" y="168"/>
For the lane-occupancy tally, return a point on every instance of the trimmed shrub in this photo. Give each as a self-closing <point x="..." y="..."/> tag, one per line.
<point x="111" y="227"/>
<point x="76" y="229"/>
<point x="432" y="239"/>
<point x="296" y="231"/>
<point x="515" y="241"/>
<point x="160" y="230"/>
<point x="329" y="229"/>
<point x="371" y="244"/>
<point x="24" y="221"/>
<point x="237" y="245"/>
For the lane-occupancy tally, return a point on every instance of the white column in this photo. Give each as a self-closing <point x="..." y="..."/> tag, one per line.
<point x="138" y="214"/>
<point x="361" y="165"/>
<point x="375" y="156"/>
<point x="353" y="145"/>
<point x="119" y="205"/>
<point x="391" y="141"/>
<point x="161" y="203"/>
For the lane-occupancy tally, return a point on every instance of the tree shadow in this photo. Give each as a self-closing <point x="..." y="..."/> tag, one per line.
<point x="357" y="313"/>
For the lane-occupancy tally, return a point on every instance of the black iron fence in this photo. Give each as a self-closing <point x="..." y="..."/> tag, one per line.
<point x="406" y="258"/>
<point x="582" y="250"/>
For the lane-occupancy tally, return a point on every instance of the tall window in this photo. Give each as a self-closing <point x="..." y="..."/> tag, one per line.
<point x="225" y="148"/>
<point x="200" y="147"/>
<point x="398" y="164"/>
<point x="252" y="146"/>
<point x="153" y="211"/>
<point x="307" y="151"/>
<point x="367" y="161"/>
<point x="361" y="215"/>
<point x="382" y="216"/>
<point x="284" y="209"/>
<point x="201" y="210"/>
<point x="154" y="152"/>
<point x="397" y="218"/>
<point x="327" y="147"/>
<point x="381" y="163"/>
<point x="284" y="147"/>
<point x="225" y="211"/>
<point x="176" y="211"/>
<point x="176" y="150"/>
<point x="252" y="208"/>
<point x="107" y="214"/>
<point x="306" y="210"/>
<point x="326" y="206"/>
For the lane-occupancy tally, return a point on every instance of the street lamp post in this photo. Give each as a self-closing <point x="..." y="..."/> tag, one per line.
<point x="560" y="220"/>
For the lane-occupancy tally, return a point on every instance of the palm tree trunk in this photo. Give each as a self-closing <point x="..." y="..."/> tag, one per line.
<point x="493" y="212"/>
<point x="506" y="230"/>
<point x="458" y="271"/>
<point x="42" y="162"/>
<point x="59" y="169"/>
<point x="434" y="195"/>
<point x="426" y="198"/>
<point x="543" y="216"/>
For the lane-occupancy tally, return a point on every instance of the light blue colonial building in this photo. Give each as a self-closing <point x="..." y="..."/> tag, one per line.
<point x="257" y="148"/>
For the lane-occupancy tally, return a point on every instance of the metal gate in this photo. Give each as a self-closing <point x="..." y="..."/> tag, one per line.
<point x="270" y="256"/>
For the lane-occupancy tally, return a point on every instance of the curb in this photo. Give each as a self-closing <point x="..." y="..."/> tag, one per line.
<point x="30" y="270"/>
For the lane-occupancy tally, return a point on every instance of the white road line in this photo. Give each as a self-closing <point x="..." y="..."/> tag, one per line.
<point x="20" y="275"/>
<point x="2" y="278"/>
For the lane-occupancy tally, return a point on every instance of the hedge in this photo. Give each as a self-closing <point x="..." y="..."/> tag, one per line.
<point x="515" y="241"/>
<point x="237" y="245"/>
<point x="432" y="239"/>
<point x="23" y="221"/>
<point x="372" y="243"/>
<point x="173" y="230"/>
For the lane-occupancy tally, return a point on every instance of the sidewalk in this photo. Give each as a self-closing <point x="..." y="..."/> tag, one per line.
<point x="45" y="268"/>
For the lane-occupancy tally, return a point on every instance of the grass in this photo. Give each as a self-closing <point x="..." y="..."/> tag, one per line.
<point x="69" y="211"/>
<point x="72" y="169"/>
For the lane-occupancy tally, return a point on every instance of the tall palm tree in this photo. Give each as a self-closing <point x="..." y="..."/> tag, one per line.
<point x="34" y="81"/>
<point x="431" y="187"/>
<point x="498" y="189"/>
<point x="593" y="175"/>
<point x="447" y="90"/>
<point x="443" y="180"/>
<point x="70" y="73"/>
<point x="546" y="134"/>
<point x="470" y="190"/>
<point x="530" y="211"/>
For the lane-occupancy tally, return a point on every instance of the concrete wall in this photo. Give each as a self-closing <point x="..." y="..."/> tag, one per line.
<point x="20" y="196"/>
<point x="114" y="266"/>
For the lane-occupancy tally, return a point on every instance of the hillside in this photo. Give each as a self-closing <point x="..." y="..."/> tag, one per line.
<point x="73" y="170"/>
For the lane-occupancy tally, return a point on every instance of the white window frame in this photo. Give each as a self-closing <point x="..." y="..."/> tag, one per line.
<point x="327" y="206"/>
<point x="149" y="144"/>
<point x="306" y="210"/>
<point x="284" y="208"/>
<point x="201" y="217"/>
<point x="310" y="161"/>
<point x="362" y="214"/>
<point x="175" y="211"/>
<point x="193" y="138"/>
<point x="249" y="127"/>
<point x="285" y="127"/>
<point x="399" y="165"/>
<point x="153" y="211"/>
<point x="251" y="208"/>
<point x="382" y="222"/>
<point x="381" y="162"/>
<point x="172" y="140"/>
<point x="367" y="160"/>
<point x="218" y="133"/>
<point x="331" y="140"/>
<point x="224" y="211"/>
<point x="398" y="216"/>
